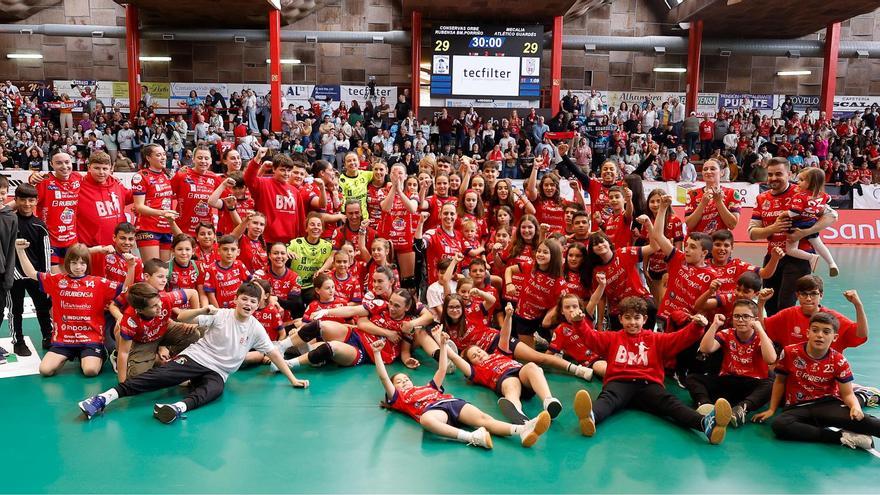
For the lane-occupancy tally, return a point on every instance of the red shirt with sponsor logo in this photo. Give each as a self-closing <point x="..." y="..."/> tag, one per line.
<point x="599" y="200"/>
<point x="398" y="225"/>
<point x="317" y="305"/>
<point x="155" y="187"/>
<point x="551" y="212"/>
<point x="571" y="284"/>
<point x="525" y="260"/>
<point x="730" y="272"/>
<point x="622" y="277"/>
<point x="618" y="228"/>
<point x="136" y="328"/>
<point x="686" y="284"/>
<point x="193" y="190"/>
<point x="349" y="288"/>
<point x="808" y="207"/>
<point x="101" y="208"/>
<point x="381" y="317"/>
<point x="57" y="202"/>
<point x="741" y="358"/>
<point x="253" y="253"/>
<point x="224" y="282"/>
<point x="493" y="369"/>
<point x="78" y="306"/>
<point x="539" y="293"/>
<point x="416" y="400"/>
<point x="332" y="204"/>
<point x="790" y="325"/>
<point x="375" y="195"/>
<point x="243" y="206"/>
<point x="440" y="244"/>
<point x="279" y="201"/>
<point x="640" y="356"/>
<point x="768" y="207"/>
<point x="272" y="319"/>
<point x="808" y="379"/>
<point x="711" y="222"/>
<point x="569" y="340"/>
<point x="114" y="267"/>
<point x="674" y="231"/>
<point x="476" y="333"/>
<point x="707" y="130"/>
<point x="344" y="233"/>
<point x="435" y="204"/>
<point x="184" y="277"/>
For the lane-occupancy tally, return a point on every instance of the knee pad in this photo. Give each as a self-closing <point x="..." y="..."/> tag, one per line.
<point x="310" y="331"/>
<point x="321" y="354"/>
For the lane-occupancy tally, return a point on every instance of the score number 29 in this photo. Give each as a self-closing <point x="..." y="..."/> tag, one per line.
<point x="530" y="48"/>
<point x="441" y="45"/>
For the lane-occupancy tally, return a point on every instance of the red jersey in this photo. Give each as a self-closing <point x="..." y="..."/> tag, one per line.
<point x="416" y="400"/>
<point x="707" y="130"/>
<point x="491" y="372"/>
<point x="809" y="209"/>
<point x="380" y="316"/>
<point x="865" y="176"/>
<point x="481" y="223"/>
<point x="539" y="293"/>
<point x="332" y="204"/>
<point x="711" y="222"/>
<point x="398" y="225"/>
<point x="569" y="340"/>
<point x="618" y="228"/>
<point x="184" y="277"/>
<point x="136" y="328"/>
<point x="741" y="358"/>
<point x="279" y="201"/>
<point x="674" y="231"/>
<point x="192" y="190"/>
<point x="78" y="306"/>
<point x="599" y="200"/>
<point x="57" y="202"/>
<point x="224" y="282"/>
<point x="524" y="260"/>
<point x="272" y="319"/>
<point x="686" y="284"/>
<point x="243" y="206"/>
<point x="640" y="356"/>
<point x="317" y="305"/>
<point x="344" y="233"/>
<point x="435" y="204"/>
<point x="155" y="186"/>
<point x="551" y="212"/>
<point x="350" y="288"/>
<point x="285" y="284"/>
<point x="253" y="253"/>
<point x="622" y="277"/>
<point x="571" y="284"/>
<point x="809" y="379"/>
<point x="440" y="244"/>
<point x="769" y="206"/>
<point x="730" y="272"/>
<point x="375" y="195"/>
<point x="476" y="333"/>
<point x="114" y="267"/>
<point x="790" y="325"/>
<point x="100" y="209"/>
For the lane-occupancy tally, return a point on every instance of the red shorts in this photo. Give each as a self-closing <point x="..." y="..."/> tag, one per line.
<point x="148" y="239"/>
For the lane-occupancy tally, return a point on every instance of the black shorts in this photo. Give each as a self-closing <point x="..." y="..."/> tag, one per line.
<point x="526" y="394"/>
<point x="452" y="408"/>
<point x="494" y="345"/>
<point x="523" y="326"/>
<point x="72" y="352"/>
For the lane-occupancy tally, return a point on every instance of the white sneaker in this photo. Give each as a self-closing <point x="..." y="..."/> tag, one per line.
<point x="856" y="440"/>
<point x="113" y="362"/>
<point x="705" y="409"/>
<point x="553" y="407"/>
<point x="534" y="428"/>
<point x="584" y="372"/>
<point x="481" y="438"/>
<point x="452" y="347"/>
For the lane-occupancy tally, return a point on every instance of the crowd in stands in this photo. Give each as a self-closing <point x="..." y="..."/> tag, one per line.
<point x="365" y="236"/>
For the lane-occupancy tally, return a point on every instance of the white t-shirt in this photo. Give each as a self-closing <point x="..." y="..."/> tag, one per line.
<point x="227" y="341"/>
<point x="434" y="294"/>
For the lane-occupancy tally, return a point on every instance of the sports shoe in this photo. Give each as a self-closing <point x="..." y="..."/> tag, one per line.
<point x="856" y="440"/>
<point x="553" y="407"/>
<point x="167" y="413"/>
<point x="541" y="344"/>
<point x="481" y="438"/>
<point x="583" y="408"/>
<point x="584" y="372"/>
<point x="21" y="349"/>
<point x="678" y="378"/>
<point x="871" y="395"/>
<point x="715" y="423"/>
<point x="534" y="428"/>
<point x="92" y="406"/>
<point x="452" y="347"/>
<point x="739" y="415"/>
<point x="511" y="412"/>
<point x="705" y="409"/>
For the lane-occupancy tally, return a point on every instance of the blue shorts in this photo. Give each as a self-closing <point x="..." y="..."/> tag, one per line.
<point x="452" y="408"/>
<point x="354" y="340"/>
<point x="72" y="352"/>
<point x="526" y="394"/>
<point x="57" y="255"/>
<point x="148" y="239"/>
<point x="494" y="345"/>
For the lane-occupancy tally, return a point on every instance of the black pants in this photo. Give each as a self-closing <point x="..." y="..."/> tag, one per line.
<point x="783" y="281"/>
<point x="809" y="422"/>
<point x="15" y="303"/>
<point x="706" y="389"/>
<point x="109" y="332"/>
<point x="207" y="385"/>
<point x="646" y="396"/>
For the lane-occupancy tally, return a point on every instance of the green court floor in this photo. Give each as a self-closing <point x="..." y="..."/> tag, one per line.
<point x="263" y="436"/>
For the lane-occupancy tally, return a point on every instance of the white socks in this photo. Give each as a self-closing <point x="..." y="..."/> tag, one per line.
<point x="463" y="436"/>
<point x="110" y="395"/>
<point x="284" y="345"/>
<point x="180" y="405"/>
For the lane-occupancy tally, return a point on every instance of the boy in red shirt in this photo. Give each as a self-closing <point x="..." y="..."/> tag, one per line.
<point x="634" y="377"/>
<point x="276" y="198"/>
<point x="816" y="383"/>
<point x="223" y="277"/>
<point x="617" y="225"/>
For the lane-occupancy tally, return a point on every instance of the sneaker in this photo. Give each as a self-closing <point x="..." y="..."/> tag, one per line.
<point x="21" y="349"/>
<point x="856" y="440"/>
<point x="46" y="344"/>
<point x="167" y="413"/>
<point x="112" y="359"/>
<point x="871" y="395"/>
<point x="715" y="423"/>
<point x="511" y="412"/>
<point x="534" y="428"/>
<point x="739" y="415"/>
<point x="452" y="347"/>
<point x="3" y="353"/>
<point x="541" y="344"/>
<point x="833" y="271"/>
<point x="273" y="368"/>
<point x="481" y="438"/>
<point x="584" y="372"/>
<point x="583" y="408"/>
<point x="705" y="409"/>
<point x="553" y="407"/>
<point x="92" y="406"/>
<point x="678" y="377"/>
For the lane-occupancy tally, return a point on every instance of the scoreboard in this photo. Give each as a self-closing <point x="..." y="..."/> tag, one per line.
<point x="487" y="61"/>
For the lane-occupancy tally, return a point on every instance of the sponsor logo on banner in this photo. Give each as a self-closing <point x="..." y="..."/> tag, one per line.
<point x="736" y="100"/>
<point x="803" y="103"/>
<point x="326" y="93"/>
<point x="845" y="106"/>
<point x="471" y="75"/>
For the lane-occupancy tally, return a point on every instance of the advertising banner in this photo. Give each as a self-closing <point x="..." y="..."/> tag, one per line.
<point x="844" y="106"/>
<point x="732" y="101"/>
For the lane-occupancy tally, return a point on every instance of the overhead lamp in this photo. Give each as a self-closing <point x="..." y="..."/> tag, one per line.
<point x="25" y="56"/>
<point x="27" y="31"/>
<point x="97" y="34"/>
<point x="678" y="70"/>
<point x="724" y="52"/>
<point x="239" y="39"/>
<point x="794" y="73"/>
<point x="378" y="39"/>
<point x="311" y="39"/>
<point x="862" y="54"/>
<point x="659" y="50"/>
<point x="168" y="36"/>
<point x="589" y="47"/>
<point x="286" y="61"/>
<point x="155" y="59"/>
<point x="793" y="53"/>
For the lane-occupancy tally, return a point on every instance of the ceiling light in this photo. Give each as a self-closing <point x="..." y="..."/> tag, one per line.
<point x="155" y="59"/>
<point x="794" y="73"/>
<point x="678" y="70"/>
<point x="286" y="61"/>
<point x="30" y="56"/>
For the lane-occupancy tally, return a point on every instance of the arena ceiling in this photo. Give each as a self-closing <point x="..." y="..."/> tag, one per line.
<point x="217" y="13"/>
<point x="498" y="10"/>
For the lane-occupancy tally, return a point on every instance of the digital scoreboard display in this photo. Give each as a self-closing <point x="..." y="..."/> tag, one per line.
<point x="487" y="61"/>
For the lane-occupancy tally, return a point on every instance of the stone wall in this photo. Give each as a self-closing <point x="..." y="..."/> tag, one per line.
<point x="104" y="59"/>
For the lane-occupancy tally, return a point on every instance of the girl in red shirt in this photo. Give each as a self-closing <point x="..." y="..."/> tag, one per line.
<point x="657" y="270"/>
<point x="540" y="290"/>
<point x="185" y="273"/>
<point x="520" y="253"/>
<point x="808" y="204"/>
<point x="251" y="244"/>
<point x="548" y="204"/>
<point x="506" y="195"/>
